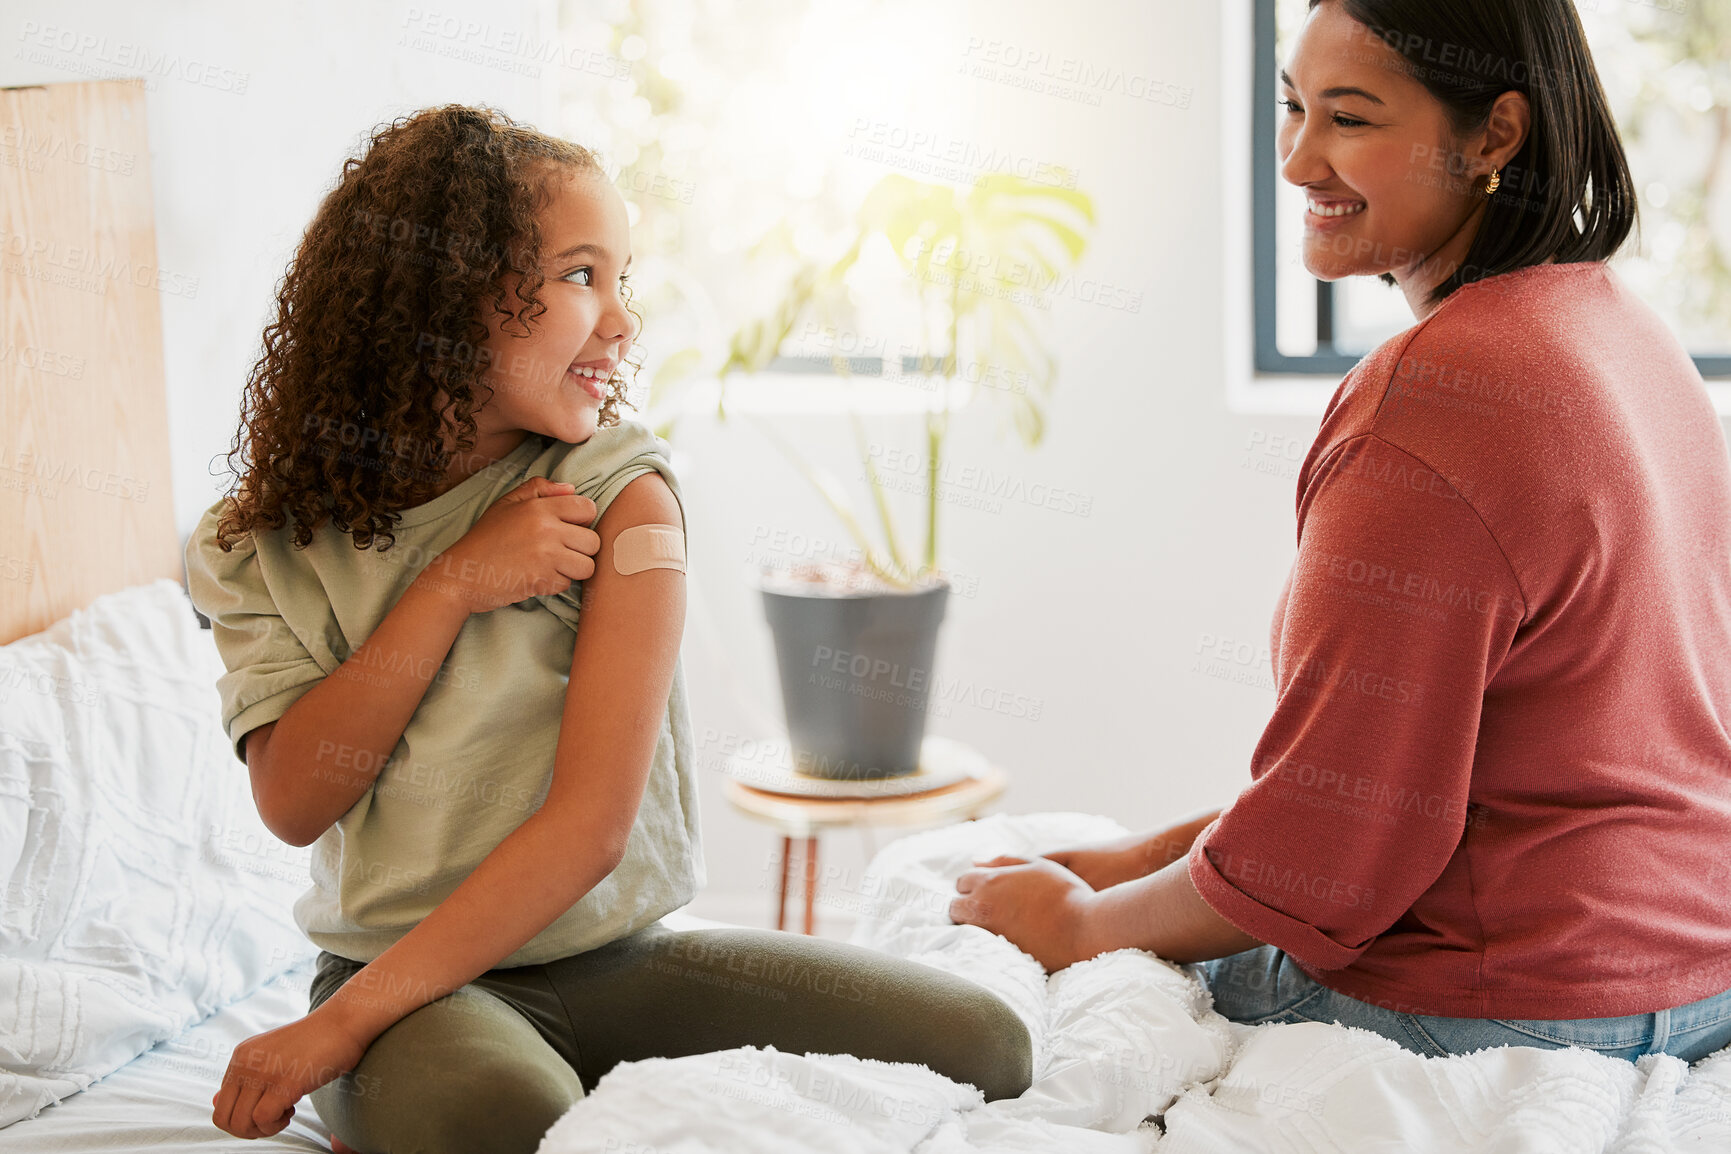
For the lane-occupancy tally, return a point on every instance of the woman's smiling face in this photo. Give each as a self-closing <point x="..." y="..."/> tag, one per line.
<point x="554" y="380"/>
<point x="1389" y="187"/>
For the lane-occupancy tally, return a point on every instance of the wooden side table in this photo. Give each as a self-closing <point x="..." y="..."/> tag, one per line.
<point x="806" y="817"/>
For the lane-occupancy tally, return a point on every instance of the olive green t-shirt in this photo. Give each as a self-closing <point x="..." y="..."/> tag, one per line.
<point x="477" y="756"/>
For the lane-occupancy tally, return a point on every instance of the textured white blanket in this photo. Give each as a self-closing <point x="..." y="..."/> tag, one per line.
<point x="139" y="891"/>
<point x="1129" y="1057"/>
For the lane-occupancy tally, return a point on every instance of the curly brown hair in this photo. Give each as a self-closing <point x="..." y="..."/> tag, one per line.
<point x="376" y="349"/>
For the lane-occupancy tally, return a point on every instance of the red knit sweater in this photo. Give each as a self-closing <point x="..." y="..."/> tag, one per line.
<point x="1497" y="780"/>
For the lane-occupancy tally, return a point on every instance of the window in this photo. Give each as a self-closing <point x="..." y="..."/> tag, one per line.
<point x="1666" y="67"/>
<point x="734" y="186"/>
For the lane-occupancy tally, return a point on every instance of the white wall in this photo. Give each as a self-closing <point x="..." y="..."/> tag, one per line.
<point x="1096" y="618"/>
<point x="252" y="109"/>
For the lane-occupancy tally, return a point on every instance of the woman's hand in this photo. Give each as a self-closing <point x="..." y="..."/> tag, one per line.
<point x="532" y="541"/>
<point x="1108" y="863"/>
<point x="1039" y="906"/>
<point x="1135" y="855"/>
<point x="268" y="1073"/>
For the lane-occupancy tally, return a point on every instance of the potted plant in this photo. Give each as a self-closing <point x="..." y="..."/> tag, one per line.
<point x="855" y="643"/>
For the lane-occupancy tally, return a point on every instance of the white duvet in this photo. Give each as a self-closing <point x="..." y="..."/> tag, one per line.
<point x="139" y="890"/>
<point x="1129" y="1056"/>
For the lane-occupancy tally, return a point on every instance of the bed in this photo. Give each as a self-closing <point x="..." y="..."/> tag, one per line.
<point x="146" y="932"/>
<point x="145" y="923"/>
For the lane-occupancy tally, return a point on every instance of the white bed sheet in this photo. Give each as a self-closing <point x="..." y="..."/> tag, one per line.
<point x="161" y="1099"/>
<point x="1129" y="1059"/>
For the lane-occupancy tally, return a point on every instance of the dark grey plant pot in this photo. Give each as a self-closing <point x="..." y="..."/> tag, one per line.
<point x="856" y="676"/>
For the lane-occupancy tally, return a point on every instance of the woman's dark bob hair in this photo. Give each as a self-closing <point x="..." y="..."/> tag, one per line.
<point x="1567" y="193"/>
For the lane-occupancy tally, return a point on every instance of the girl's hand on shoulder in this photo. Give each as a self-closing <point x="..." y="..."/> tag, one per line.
<point x="268" y="1073"/>
<point x="532" y="541"/>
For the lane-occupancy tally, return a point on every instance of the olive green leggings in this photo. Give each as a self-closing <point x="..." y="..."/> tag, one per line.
<point x="491" y="1066"/>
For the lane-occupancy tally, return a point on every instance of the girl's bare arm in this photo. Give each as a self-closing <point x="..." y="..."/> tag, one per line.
<point x="621" y="675"/>
<point x="313" y="763"/>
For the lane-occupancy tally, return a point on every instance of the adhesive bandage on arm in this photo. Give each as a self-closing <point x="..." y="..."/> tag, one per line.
<point x="649" y="547"/>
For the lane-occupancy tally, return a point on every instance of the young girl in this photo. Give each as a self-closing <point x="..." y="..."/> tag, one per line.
<point x="501" y="804"/>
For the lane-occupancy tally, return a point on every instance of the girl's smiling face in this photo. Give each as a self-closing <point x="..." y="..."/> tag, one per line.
<point x="554" y="380"/>
<point x="1390" y="188"/>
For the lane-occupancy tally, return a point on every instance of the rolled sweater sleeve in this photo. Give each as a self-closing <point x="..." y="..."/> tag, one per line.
<point x="269" y="667"/>
<point x="600" y="469"/>
<point x="1398" y="611"/>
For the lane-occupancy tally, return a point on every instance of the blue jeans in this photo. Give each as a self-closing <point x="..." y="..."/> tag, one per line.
<point x="1264" y="985"/>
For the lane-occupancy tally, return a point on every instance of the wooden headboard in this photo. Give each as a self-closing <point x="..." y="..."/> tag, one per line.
<point x="85" y="500"/>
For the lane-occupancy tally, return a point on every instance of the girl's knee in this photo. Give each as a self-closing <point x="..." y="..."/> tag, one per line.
<point x="1006" y="1057"/>
<point x="462" y="1073"/>
<point x="972" y="1035"/>
<point x="484" y="1105"/>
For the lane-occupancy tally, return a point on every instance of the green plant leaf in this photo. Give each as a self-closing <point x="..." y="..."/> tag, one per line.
<point x="968" y="256"/>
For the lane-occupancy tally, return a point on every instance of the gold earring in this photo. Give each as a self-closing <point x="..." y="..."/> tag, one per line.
<point x="1495" y="181"/>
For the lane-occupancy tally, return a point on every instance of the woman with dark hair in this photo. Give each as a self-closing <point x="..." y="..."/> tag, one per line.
<point x="1493" y="802"/>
